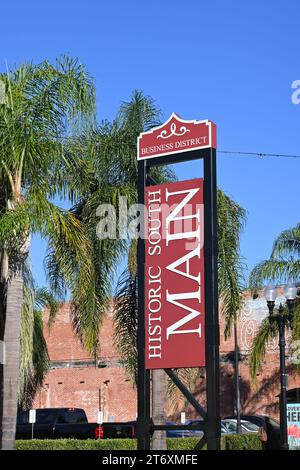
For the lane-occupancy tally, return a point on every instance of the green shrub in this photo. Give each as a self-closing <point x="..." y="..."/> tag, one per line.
<point x="77" y="444"/>
<point x="228" y="442"/>
<point x="242" y="442"/>
<point x="187" y="443"/>
<point x="105" y="444"/>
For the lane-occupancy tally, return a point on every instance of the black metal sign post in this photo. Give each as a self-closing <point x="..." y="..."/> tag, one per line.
<point x="212" y="333"/>
<point x="211" y="416"/>
<point x="143" y="375"/>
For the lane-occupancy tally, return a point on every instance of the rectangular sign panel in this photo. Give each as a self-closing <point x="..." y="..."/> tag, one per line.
<point x="100" y="417"/>
<point x="32" y="416"/>
<point x="174" y="275"/>
<point x="176" y="136"/>
<point x="293" y="423"/>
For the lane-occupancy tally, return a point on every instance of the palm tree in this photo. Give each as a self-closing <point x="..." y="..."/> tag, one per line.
<point x="283" y="266"/>
<point x="40" y="106"/>
<point x="110" y="148"/>
<point x="231" y="219"/>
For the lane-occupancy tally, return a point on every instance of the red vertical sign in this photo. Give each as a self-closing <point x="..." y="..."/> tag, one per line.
<point x="174" y="275"/>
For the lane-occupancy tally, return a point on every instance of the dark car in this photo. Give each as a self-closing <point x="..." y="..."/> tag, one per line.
<point x="195" y="432"/>
<point x="114" y="430"/>
<point x="185" y="432"/>
<point x="58" y="423"/>
<point x="176" y="432"/>
<point x="55" y="423"/>
<point x="271" y="427"/>
<point x="229" y="426"/>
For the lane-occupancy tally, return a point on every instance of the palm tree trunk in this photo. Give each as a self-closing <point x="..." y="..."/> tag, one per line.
<point x="11" y="367"/>
<point x="159" y="400"/>
<point x="13" y="276"/>
<point x="3" y="284"/>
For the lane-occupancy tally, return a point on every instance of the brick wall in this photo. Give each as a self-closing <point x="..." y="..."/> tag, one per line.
<point x="75" y="380"/>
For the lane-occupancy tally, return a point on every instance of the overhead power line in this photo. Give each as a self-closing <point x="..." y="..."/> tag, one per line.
<point x="259" y="154"/>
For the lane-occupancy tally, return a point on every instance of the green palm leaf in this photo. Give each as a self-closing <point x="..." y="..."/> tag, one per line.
<point x="283" y="266"/>
<point x="34" y="359"/>
<point x="266" y="332"/>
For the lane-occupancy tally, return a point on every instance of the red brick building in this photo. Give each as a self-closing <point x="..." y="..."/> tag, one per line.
<point x="76" y="380"/>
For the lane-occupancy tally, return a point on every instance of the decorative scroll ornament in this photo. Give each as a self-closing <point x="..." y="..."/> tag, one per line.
<point x="254" y="312"/>
<point x="164" y="135"/>
<point x="248" y="331"/>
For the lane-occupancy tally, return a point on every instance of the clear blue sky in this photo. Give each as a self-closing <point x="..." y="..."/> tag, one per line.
<point x="232" y="62"/>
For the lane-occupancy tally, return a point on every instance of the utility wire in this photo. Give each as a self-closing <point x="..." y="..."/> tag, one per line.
<point x="230" y="152"/>
<point x="259" y="154"/>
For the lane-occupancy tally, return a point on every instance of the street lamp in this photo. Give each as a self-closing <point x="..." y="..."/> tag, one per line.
<point x="290" y="293"/>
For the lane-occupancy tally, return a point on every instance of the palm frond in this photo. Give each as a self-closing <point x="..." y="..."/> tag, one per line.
<point x="231" y="221"/>
<point x="190" y="378"/>
<point x="34" y="359"/>
<point x="283" y="264"/>
<point x="139" y="114"/>
<point x="274" y="270"/>
<point x="266" y="332"/>
<point x="45" y="299"/>
<point x="287" y="244"/>
<point x="125" y="320"/>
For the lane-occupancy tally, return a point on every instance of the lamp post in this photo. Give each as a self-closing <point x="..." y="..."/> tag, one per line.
<point x="282" y="319"/>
